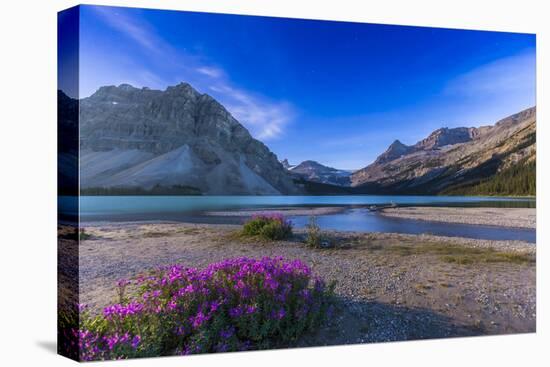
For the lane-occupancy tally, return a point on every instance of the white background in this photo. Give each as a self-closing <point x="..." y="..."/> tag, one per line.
<point x="28" y="181"/>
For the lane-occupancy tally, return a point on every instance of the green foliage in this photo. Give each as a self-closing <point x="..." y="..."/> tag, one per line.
<point x="463" y="255"/>
<point x="67" y="322"/>
<point x="254" y="227"/>
<point x="518" y="180"/>
<point x="268" y="227"/>
<point x="275" y="231"/>
<point x="314" y="235"/>
<point x="491" y="256"/>
<point x="83" y="235"/>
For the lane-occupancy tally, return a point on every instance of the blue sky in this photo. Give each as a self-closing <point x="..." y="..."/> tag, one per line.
<point x="334" y="92"/>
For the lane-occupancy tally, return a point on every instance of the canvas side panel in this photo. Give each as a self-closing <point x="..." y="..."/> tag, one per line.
<point x="67" y="182"/>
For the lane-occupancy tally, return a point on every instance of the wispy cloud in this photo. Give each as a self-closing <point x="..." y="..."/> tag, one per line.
<point x="139" y="31"/>
<point x="490" y="92"/>
<point x="210" y="71"/>
<point x="264" y="118"/>
<point x="511" y="74"/>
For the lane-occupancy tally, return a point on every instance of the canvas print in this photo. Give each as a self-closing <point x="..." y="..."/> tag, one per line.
<point x="233" y="183"/>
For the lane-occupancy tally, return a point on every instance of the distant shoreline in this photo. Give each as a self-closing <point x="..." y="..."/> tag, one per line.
<point x="502" y="217"/>
<point x="483" y="223"/>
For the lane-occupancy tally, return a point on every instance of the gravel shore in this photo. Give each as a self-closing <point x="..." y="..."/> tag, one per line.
<point x="390" y="286"/>
<point x="504" y="217"/>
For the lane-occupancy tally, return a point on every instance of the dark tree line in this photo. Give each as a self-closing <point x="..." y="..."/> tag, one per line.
<point x="518" y="180"/>
<point x="138" y="191"/>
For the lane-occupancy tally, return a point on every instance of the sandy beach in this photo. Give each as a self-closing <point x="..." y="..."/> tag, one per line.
<point x="505" y="217"/>
<point x="390" y="286"/>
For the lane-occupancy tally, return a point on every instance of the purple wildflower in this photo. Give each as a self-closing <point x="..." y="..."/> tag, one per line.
<point x="235" y="312"/>
<point x="279" y="314"/>
<point x="180" y="331"/>
<point x="198" y="320"/>
<point x="214" y="306"/>
<point x="227" y="333"/>
<point x="190" y="301"/>
<point x="123" y="282"/>
<point x="135" y="341"/>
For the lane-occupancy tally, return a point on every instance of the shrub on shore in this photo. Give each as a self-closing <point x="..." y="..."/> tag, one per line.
<point x="315" y="237"/>
<point x="83" y="235"/>
<point x="268" y="226"/>
<point x="313" y="234"/>
<point x="237" y="304"/>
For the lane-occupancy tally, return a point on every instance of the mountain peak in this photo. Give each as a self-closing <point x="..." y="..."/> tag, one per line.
<point x="470" y="154"/>
<point x="396" y="144"/>
<point x="314" y="171"/>
<point x="394" y="151"/>
<point x="286" y="164"/>
<point x="518" y="117"/>
<point x="310" y="162"/>
<point x="140" y="138"/>
<point x="445" y="136"/>
<point x="126" y="87"/>
<point x="183" y="88"/>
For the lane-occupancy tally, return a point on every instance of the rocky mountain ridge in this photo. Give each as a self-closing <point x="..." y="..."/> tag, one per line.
<point x="286" y="164"/>
<point x="144" y="138"/>
<point x="181" y="139"/>
<point x="450" y="158"/>
<point x="316" y="172"/>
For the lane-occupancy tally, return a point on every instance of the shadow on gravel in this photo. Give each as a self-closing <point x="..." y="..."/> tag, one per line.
<point x="355" y="322"/>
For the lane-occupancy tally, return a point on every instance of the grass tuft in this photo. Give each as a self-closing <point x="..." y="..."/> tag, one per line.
<point x="462" y="255"/>
<point x="449" y="253"/>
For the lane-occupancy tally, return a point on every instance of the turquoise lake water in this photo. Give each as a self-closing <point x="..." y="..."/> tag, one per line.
<point x="113" y="205"/>
<point x="357" y="218"/>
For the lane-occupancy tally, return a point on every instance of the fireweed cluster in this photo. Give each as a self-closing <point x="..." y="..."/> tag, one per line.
<point x="236" y="304"/>
<point x="271" y="226"/>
